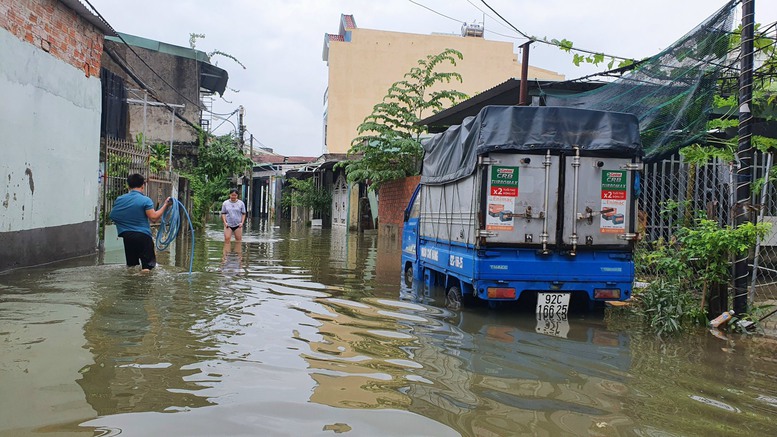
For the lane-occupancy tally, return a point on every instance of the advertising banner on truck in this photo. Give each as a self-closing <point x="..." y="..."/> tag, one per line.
<point x="502" y="194"/>
<point x="614" y="204"/>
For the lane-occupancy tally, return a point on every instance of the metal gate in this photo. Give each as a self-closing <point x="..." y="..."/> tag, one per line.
<point x="340" y="202"/>
<point x="122" y="158"/>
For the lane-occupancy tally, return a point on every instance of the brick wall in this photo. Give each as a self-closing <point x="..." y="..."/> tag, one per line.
<point x="56" y="29"/>
<point x="392" y="201"/>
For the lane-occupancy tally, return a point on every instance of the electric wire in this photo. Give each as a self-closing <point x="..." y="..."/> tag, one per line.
<point x="225" y="120"/>
<point x="141" y="59"/>
<point x="524" y="35"/>
<point x="489" y="16"/>
<point x="436" y="12"/>
<point x="551" y="42"/>
<point x="146" y="87"/>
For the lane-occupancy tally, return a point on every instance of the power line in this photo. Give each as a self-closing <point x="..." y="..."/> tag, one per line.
<point x="135" y="77"/>
<point x="225" y="120"/>
<point x="507" y="22"/>
<point x="197" y="105"/>
<point x="489" y="16"/>
<point x="122" y="64"/>
<point x="255" y="139"/>
<point x="464" y="21"/>
<point x="501" y="34"/>
<point x="524" y="35"/>
<point x="436" y="12"/>
<point x="551" y="42"/>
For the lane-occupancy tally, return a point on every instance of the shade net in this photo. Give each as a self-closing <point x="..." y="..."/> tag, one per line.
<point x="671" y="93"/>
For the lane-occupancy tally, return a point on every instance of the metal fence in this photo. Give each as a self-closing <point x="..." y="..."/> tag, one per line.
<point x="123" y="158"/>
<point x="710" y="188"/>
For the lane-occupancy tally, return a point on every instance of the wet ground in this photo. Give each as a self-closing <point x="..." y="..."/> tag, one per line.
<point x="307" y="332"/>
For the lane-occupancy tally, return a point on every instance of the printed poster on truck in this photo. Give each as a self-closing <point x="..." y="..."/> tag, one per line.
<point x="613" y="215"/>
<point x="503" y="192"/>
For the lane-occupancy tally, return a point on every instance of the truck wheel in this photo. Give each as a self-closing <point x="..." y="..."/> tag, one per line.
<point x="409" y="276"/>
<point x="453" y="298"/>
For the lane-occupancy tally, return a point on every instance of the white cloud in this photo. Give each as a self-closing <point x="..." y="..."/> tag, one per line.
<point x="280" y="42"/>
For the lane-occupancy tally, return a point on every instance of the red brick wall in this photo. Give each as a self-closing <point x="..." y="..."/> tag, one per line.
<point x="56" y="29"/>
<point x="392" y="201"/>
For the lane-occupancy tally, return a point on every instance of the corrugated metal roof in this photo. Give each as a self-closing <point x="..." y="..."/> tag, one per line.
<point x="87" y="15"/>
<point x="158" y="46"/>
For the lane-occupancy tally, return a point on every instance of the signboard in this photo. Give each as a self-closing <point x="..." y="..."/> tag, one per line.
<point x="503" y="192"/>
<point x="614" y="196"/>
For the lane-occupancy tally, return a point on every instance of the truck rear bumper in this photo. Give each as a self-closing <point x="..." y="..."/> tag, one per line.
<point x="602" y="275"/>
<point x="505" y="274"/>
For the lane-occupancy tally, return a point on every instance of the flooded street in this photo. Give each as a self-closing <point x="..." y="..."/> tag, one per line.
<point x="307" y="332"/>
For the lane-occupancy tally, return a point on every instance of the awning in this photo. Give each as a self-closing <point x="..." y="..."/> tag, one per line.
<point x="213" y="78"/>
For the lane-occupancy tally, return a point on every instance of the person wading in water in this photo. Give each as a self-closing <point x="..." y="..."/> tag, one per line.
<point x="233" y="214"/>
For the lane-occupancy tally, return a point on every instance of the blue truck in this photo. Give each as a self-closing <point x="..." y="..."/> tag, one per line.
<point x="536" y="204"/>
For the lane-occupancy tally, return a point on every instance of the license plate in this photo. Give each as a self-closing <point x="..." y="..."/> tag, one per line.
<point x="552" y="305"/>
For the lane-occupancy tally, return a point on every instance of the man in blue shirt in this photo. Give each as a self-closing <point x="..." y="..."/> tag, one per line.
<point x="131" y="213"/>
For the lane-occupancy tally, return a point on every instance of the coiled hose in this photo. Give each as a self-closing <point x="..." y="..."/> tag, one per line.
<point x="169" y="226"/>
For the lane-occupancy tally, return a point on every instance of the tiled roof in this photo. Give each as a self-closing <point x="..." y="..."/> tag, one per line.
<point x="335" y="37"/>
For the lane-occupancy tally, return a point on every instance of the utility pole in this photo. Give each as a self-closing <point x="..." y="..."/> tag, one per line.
<point x="744" y="150"/>
<point x="240" y="127"/>
<point x="523" y="97"/>
<point x="241" y="146"/>
<point x="251" y="177"/>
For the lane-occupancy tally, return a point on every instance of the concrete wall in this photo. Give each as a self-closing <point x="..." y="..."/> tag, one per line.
<point x="179" y="72"/>
<point x="50" y="124"/>
<point x="393" y="199"/>
<point x="362" y="70"/>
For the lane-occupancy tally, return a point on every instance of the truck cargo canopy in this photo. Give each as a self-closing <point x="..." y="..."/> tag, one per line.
<point x="452" y="155"/>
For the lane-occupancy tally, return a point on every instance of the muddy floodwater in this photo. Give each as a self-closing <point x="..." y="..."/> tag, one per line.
<point x="309" y="332"/>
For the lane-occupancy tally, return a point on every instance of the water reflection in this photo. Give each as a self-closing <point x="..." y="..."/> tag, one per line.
<point x="474" y="375"/>
<point x="141" y="338"/>
<point x="299" y="331"/>
<point x="232" y="258"/>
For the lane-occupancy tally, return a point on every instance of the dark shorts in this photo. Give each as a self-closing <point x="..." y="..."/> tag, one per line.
<point x="139" y="249"/>
<point x="234" y="228"/>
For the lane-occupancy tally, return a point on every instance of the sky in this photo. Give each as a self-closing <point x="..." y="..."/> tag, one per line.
<point x="280" y="42"/>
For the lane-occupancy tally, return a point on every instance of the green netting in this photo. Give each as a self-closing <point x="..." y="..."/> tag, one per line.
<point x="672" y="92"/>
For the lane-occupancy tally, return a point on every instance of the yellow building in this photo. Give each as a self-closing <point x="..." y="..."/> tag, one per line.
<point x="363" y="63"/>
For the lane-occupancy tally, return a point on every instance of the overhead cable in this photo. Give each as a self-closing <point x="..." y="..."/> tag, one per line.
<point x="143" y="61"/>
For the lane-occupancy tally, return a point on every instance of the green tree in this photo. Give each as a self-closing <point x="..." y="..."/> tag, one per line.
<point x="218" y="159"/>
<point x="388" y="146"/>
<point x="304" y="193"/>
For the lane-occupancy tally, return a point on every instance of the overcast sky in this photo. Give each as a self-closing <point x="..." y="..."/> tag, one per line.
<point x="280" y="42"/>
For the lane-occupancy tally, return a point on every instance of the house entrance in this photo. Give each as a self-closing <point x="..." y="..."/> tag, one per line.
<point x="340" y="203"/>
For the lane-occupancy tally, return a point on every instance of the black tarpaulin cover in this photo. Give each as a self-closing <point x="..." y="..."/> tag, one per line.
<point x="452" y="155"/>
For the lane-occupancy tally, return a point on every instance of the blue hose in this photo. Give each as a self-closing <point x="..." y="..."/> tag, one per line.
<point x="169" y="227"/>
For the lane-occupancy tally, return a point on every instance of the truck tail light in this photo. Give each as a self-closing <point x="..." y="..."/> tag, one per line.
<point x="501" y="293"/>
<point x="607" y="293"/>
